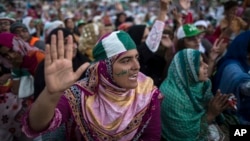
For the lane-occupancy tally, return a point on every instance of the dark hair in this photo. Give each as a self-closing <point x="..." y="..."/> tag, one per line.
<point x="169" y="32"/>
<point x="66" y="33"/>
<point x="4" y="70"/>
<point x="180" y="45"/>
<point x="16" y="25"/>
<point x="229" y="4"/>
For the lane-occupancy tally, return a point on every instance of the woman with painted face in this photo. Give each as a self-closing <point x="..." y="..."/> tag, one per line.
<point x="189" y="109"/>
<point x="114" y="102"/>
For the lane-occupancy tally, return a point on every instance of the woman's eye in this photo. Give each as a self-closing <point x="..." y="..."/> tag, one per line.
<point x="125" y="61"/>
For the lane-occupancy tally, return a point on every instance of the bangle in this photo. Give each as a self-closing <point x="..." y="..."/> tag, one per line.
<point x="15" y="79"/>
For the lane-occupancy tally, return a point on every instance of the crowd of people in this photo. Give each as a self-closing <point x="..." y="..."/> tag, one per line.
<point x="124" y="70"/>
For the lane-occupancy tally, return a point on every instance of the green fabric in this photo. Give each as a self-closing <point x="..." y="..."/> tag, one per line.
<point x="183" y="110"/>
<point x="99" y="52"/>
<point x="113" y="44"/>
<point x="17" y="73"/>
<point x="80" y="22"/>
<point x="191" y="30"/>
<point x="126" y="40"/>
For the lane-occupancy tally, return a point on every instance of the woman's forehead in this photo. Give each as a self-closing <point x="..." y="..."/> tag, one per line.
<point x="131" y="52"/>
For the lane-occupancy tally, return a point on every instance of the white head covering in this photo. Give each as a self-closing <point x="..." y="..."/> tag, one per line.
<point x="49" y="26"/>
<point x="27" y="21"/>
<point x="201" y="23"/>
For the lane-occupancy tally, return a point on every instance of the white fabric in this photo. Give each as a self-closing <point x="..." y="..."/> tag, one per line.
<point x="53" y="25"/>
<point x="201" y="23"/>
<point x="214" y="133"/>
<point x="155" y="35"/>
<point x="27" y="21"/>
<point x="26" y="87"/>
<point x="114" y="47"/>
<point x="201" y="48"/>
<point x="180" y="33"/>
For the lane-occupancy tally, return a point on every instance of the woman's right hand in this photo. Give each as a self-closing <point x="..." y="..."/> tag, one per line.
<point x="218" y="48"/>
<point x="217" y="105"/>
<point x="59" y="74"/>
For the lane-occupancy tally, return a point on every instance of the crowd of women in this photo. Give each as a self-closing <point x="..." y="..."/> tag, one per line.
<point x="120" y="71"/>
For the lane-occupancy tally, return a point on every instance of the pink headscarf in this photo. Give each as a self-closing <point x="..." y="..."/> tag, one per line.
<point x="9" y="40"/>
<point x="6" y="39"/>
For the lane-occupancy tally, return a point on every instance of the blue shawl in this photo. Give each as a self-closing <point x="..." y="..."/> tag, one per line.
<point x="232" y="71"/>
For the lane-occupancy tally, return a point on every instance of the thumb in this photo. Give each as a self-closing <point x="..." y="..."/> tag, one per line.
<point x="218" y="92"/>
<point x="81" y="69"/>
<point x="217" y="95"/>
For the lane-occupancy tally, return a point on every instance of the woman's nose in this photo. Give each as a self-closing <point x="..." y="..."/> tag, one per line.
<point x="136" y="65"/>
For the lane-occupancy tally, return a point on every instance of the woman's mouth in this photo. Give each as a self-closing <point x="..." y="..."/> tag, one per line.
<point x="133" y="77"/>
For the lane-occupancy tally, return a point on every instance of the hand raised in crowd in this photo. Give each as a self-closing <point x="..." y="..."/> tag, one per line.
<point x="59" y="74"/>
<point x="217" y="105"/>
<point x="177" y="16"/>
<point x="218" y="49"/>
<point x="185" y="4"/>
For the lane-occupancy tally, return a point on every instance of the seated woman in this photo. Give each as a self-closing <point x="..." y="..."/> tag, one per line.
<point x="114" y="102"/>
<point x="232" y="75"/>
<point x="189" y="108"/>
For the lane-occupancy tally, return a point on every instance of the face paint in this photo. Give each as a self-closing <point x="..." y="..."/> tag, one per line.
<point x="123" y="72"/>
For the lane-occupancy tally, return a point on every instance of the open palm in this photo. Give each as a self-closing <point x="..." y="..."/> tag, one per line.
<point x="59" y="74"/>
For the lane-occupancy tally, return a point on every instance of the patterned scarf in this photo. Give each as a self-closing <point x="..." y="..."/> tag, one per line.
<point x="107" y="111"/>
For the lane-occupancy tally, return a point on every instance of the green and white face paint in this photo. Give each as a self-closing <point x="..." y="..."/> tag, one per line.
<point x="123" y="72"/>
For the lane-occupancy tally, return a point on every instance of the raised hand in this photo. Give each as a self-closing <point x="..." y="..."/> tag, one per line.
<point x="59" y="74"/>
<point x="185" y="4"/>
<point x="218" y="48"/>
<point x="177" y="16"/>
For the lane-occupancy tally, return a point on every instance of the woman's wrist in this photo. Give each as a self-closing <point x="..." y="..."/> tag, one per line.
<point x="211" y="60"/>
<point x="210" y="118"/>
